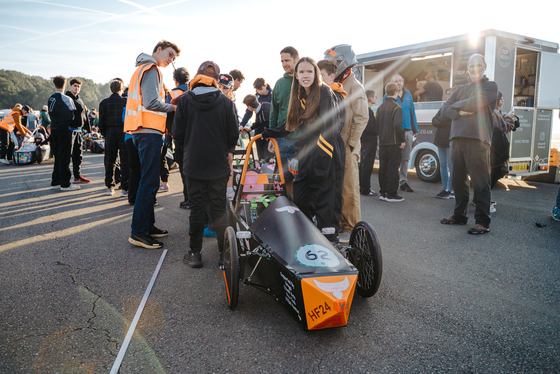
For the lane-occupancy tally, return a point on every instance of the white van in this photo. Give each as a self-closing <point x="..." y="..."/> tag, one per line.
<point x="525" y="69"/>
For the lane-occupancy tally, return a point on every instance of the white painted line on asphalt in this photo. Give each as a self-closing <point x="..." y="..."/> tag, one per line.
<point x="128" y="338"/>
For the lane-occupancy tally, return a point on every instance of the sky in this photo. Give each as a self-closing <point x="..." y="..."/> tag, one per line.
<point x="101" y="39"/>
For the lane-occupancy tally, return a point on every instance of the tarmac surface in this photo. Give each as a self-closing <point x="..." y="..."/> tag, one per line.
<point x="70" y="284"/>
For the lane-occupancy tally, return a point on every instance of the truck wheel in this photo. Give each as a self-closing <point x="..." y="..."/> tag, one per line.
<point x="231" y="267"/>
<point x="427" y="166"/>
<point x="365" y="255"/>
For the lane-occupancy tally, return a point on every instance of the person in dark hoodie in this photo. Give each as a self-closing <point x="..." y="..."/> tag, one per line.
<point x="80" y="119"/>
<point x="470" y="107"/>
<point x="206" y="126"/>
<point x="328" y="74"/>
<point x="145" y="118"/>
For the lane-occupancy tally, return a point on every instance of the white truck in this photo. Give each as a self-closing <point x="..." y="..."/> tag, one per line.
<point x="525" y="69"/>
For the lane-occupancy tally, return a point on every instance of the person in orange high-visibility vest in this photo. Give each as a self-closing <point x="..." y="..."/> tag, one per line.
<point x="145" y="118"/>
<point x="11" y="122"/>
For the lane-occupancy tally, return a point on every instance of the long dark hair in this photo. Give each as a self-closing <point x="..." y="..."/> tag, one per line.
<point x="296" y="114"/>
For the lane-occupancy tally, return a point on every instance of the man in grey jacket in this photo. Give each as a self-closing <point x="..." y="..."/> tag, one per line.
<point x="470" y="107"/>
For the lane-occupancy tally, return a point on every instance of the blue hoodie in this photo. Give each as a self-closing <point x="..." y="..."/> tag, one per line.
<point x="409" y="114"/>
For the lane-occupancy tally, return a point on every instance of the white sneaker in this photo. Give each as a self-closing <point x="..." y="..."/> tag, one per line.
<point x="493" y="208"/>
<point x="57" y="187"/>
<point x="110" y="191"/>
<point x="163" y="188"/>
<point x="71" y="187"/>
<point x="4" y="161"/>
<point x="124" y="193"/>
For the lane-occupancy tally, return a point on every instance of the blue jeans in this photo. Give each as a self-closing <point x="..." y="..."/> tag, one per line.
<point x="558" y="198"/>
<point x="149" y="153"/>
<point x="445" y="167"/>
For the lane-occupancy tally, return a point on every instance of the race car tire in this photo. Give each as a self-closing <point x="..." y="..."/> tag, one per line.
<point x="38" y="155"/>
<point x="365" y="255"/>
<point x="231" y="267"/>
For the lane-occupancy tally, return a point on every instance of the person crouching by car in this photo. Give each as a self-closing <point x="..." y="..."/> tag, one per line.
<point x="262" y="116"/>
<point x="206" y="125"/>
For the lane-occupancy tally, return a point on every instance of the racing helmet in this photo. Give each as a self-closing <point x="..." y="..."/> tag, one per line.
<point x="39" y="138"/>
<point x="344" y="56"/>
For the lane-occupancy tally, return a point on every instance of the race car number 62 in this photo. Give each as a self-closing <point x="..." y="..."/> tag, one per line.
<point x="316" y="256"/>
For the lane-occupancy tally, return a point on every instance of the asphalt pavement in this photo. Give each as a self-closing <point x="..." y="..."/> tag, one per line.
<point x="70" y="284"/>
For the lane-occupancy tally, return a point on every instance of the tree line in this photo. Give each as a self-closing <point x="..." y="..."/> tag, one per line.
<point x="16" y="87"/>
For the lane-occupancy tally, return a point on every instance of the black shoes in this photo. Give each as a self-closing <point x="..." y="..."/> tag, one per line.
<point x="193" y="259"/>
<point x="145" y="241"/>
<point x="478" y="229"/>
<point x="452" y="221"/>
<point x="394" y="198"/>
<point x="157" y="233"/>
<point x="185" y="204"/>
<point x="406" y="188"/>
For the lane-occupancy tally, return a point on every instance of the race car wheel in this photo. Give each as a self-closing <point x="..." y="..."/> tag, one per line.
<point x="365" y="255"/>
<point x="38" y="155"/>
<point x="231" y="267"/>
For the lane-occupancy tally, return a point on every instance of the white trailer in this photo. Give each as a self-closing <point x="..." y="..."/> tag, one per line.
<point x="525" y="69"/>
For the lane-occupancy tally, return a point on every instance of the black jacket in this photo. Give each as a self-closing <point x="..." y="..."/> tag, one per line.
<point x="315" y="140"/>
<point x="206" y="126"/>
<point x="111" y="112"/>
<point x="478" y="98"/>
<point x="389" y="123"/>
<point x="61" y="115"/>
<point x="443" y="129"/>
<point x="80" y="116"/>
<point x="262" y="118"/>
<point x="371" y="129"/>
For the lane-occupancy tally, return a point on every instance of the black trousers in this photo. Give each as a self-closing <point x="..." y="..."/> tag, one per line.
<point x="179" y="153"/>
<point x="262" y="148"/>
<point x="6" y="144"/>
<point x="61" y="143"/>
<point x="316" y="197"/>
<point x="135" y="170"/>
<point x="339" y="160"/>
<point x="367" y="159"/>
<point x="164" y="166"/>
<point x="471" y="157"/>
<point x="497" y="173"/>
<point x="114" y="145"/>
<point x="389" y="162"/>
<point x="77" y="153"/>
<point x="201" y="194"/>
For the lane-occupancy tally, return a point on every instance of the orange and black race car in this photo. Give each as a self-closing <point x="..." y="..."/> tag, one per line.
<point x="269" y="238"/>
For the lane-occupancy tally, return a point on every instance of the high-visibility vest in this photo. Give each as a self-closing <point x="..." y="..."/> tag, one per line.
<point x="176" y="92"/>
<point x="8" y="122"/>
<point x="136" y="115"/>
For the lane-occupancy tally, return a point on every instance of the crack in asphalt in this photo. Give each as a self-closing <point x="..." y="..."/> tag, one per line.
<point x="90" y="321"/>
